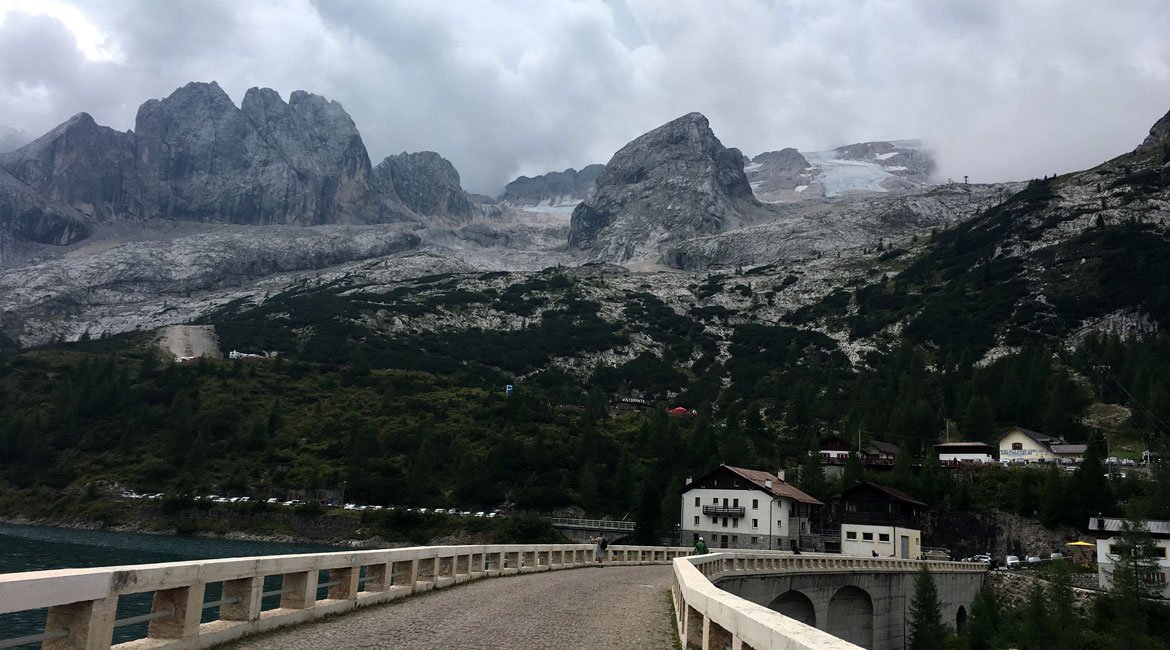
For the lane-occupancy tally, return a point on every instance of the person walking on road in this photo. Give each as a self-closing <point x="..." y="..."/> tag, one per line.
<point x="700" y="548"/>
<point x="599" y="549"/>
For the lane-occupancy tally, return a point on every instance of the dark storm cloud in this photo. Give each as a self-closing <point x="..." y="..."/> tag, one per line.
<point x="1003" y="90"/>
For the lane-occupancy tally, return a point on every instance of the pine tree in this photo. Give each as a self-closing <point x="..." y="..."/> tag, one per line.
<point x="985" y="621"/>
<point x="927" y="631"/>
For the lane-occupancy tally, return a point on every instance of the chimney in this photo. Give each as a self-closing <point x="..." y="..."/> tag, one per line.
<point x="1100" y="523"/>
<point x="780" y="474"/>
<point x="689" y="479"/>
<point x="768" y="483"/>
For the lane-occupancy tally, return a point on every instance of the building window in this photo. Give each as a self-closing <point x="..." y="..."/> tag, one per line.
<point x="714" y="521"/>
<point x="884" y="537"/>
<point x="1158" y="551"/>
<point x="696" y="502"/>
<point x="755" y="540"/>
<point x="779" y="525"/>
<point x="1017" y="446"/>
<point x="696" y="520"/>
<point x="755" y="523"/>
<point x="735" y="523"/>
<point x="755" y="504"/>
<point x="725" y="503"/>
<point x="851" y="535"/>
<point x="735" y="503"/>
<point x="867" y="537"/>
<point x="725" y="522"/>
<point x="734" y="539"/>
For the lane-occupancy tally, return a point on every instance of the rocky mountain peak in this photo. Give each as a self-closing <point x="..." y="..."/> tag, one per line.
<point x="80" y="164"/>
<point x="554" y="188"/>
<point x="427" y="183"/>
<point x="675" y="181"/>
<point x="1159" y="134"/>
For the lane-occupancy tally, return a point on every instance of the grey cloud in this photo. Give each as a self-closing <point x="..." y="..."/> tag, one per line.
<point x="1002" y="90"/>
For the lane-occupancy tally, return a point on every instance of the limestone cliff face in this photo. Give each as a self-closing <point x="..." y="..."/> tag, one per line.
<point x="195" y="156"/>
<point x="80" y="164"/>
<point x="427" y="183"/>
<point x="554" y="188"/>
<point x="25" y="215"/>
<point x="674" y="182"/>
<point x="267" y="162"/>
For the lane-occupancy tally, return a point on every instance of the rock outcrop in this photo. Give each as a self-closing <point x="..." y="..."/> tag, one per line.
<point x="87" y="167"/>
<point x="196" y="156"/>
<point x="1159" y="134"/>
<point x="267" y="162"/>
<point x="674" y="182"/>
<point x="27" y="216"/>
<point x="427" y="183"/>
<point x="554" y="188"/>
<point x="778" y="171"/>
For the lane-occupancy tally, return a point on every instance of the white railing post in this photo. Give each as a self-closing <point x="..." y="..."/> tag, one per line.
<point x="90" y="625"/>
<point x="300" y="590"/>
<point x="246" y="594"/>
<point x="186" y="607"/>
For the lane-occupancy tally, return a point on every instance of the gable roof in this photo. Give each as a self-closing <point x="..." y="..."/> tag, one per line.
<point x="1055" y="444"/>
<point x="893" y="493"/>
<point x="779" y="488"/>
<point x="883" y="447"/>
<point x="759" y="479"/>
<point x="965" y="445"/>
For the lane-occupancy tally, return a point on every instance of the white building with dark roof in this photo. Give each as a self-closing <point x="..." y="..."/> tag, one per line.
<point x="733" y="507"/>
<point x="1020" y="445"/>
<point x="880" y="521"/>
<point x="1107" y="530"/>
<point x="965" y="452"/>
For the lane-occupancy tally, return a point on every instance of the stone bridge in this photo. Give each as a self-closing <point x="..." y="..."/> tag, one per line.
<point x="207" y="602"/>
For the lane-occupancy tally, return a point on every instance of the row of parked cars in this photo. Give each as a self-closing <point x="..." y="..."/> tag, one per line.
<point x="214" y="498"/>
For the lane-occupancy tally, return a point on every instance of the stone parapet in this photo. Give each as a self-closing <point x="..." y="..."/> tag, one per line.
<point x="82" y="602"/>
<point x="710" y="618"/>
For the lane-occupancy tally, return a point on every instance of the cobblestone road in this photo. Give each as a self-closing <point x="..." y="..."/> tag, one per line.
<point x="624" y="608"/>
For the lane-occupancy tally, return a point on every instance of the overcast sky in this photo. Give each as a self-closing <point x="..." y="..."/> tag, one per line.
<point x="1001" y="89"/>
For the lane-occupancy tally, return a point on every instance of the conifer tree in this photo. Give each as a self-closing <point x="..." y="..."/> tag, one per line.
<point x="927" y="631"/>
<point x="985" y="621"/>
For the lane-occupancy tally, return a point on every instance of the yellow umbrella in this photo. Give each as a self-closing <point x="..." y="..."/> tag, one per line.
<point x="1080" y="544"/>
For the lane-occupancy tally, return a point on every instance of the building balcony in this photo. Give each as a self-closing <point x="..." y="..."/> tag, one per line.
<point x="724" y="511"/>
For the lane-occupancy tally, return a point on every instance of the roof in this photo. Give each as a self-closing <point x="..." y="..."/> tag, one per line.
<point x="1055" y="444"/>
<point x="779" y="488"/>
<point x="1040" y="438"/>
<point x="1113" y="525"/>
<point x="964" y="445"/>
<point x="884" y="447"/>
<point x="893" y="493"/>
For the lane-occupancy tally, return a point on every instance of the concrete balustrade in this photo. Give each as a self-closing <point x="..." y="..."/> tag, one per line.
<point x="709" y="618"/>
<point x="82" y="603"/>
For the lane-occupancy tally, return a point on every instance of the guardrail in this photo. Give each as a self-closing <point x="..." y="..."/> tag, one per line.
<point x="710" y="618"/>
<point x="593" y="524"/>
<point x="82" y="603"/>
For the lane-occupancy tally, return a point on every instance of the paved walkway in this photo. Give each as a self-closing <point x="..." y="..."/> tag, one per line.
<point x="625" y="608"/>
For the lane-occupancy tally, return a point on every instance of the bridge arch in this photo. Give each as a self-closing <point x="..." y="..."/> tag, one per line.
<point x="851" y="616"/>
<point x="961" y="620"/>
<point x="796" y="605"/>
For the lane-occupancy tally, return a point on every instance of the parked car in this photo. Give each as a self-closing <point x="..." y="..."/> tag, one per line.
<point x="1033" y="559"/>
<point x="1011" y="562"/>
